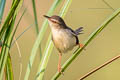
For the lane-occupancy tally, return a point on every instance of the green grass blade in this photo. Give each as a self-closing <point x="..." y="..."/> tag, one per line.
<point x="65" y="8"/>
<point x="43" y="63"/>
<point x="90" y="38"/>
<point x="49" y="46"/>
<point x="9" y="17"/>
<point x="39" y="39"/>
<point x="18" y="23"/>
<point x="6" y="47"/>
<point x="18" y="37"/>
<point x="6" y="25"/>
<point x="2" y="6"/>
<point x="7" y="28"/>
<point x="36" y="24"/>
<point x="13" y="1"/>
<point x="35" y="17"/>
<point x="9" y="70"/>
<point x="5" y="39"/>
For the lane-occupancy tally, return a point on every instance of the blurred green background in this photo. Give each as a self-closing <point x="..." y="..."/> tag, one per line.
<point x="87" y="13"/>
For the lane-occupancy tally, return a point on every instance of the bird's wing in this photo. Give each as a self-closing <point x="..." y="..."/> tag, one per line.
<point x="77" y="31"/>
<point x="73" y="32"/>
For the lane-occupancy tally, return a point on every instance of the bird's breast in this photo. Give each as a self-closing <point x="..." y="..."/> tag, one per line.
<point x="63" y="40"/>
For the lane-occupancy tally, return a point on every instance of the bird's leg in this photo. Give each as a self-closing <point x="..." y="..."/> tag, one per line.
<point x="59" y="63"/>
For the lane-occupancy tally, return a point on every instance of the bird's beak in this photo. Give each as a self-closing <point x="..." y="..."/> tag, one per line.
<point x="46" y="16"/>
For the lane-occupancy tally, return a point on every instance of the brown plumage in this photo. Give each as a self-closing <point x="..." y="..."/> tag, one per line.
<point x="64" y="38"/>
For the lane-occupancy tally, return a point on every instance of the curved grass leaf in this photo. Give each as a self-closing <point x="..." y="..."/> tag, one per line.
<point x="9" y="17"/>
<point x="36" y="24"/>
<point x="45" y="58"/>
<point x="7" y="28"/>
<point x="39" y="39"/>
<point x="18" y="24"/>
<point x="90" y="38"/>
<point x="9" y="70"/>
<point x="35" y="17"/>
<point x="18" y="37"/>
<point x="6" y="47"/>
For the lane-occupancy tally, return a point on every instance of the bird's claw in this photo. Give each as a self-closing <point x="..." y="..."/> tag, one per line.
<point x="60" y="70"/>
<point x="81" y="45"/>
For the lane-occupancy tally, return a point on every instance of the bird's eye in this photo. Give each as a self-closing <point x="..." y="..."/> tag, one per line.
<point x="54" y="21"/>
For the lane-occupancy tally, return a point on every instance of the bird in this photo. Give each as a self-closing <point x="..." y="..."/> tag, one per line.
<point x="63" y="37"/>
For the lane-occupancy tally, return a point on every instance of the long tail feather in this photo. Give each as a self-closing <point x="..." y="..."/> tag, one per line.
<point x="79" y="30"/>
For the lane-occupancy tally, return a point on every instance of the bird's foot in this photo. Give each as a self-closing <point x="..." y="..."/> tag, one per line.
<point x="60" y="70"/>
<point x="81" y="45"/>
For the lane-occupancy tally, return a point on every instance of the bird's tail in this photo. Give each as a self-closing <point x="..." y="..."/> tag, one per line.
<point x="79" y="30"/>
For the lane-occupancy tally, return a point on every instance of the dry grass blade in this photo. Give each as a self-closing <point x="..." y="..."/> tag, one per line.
<point x="99" y="67"/>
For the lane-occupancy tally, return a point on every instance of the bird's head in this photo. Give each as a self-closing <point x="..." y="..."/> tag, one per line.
<point x="55" y="21"/>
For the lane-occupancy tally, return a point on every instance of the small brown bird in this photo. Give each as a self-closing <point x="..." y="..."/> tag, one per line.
<point x="64" y="38"/>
